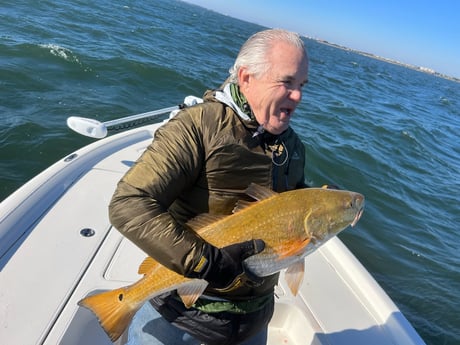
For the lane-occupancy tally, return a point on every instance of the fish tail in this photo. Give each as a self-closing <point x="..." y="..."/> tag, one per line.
<point x="113" y="310"/>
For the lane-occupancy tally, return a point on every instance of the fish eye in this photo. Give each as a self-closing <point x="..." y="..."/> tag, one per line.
<point x="351" y="203"/>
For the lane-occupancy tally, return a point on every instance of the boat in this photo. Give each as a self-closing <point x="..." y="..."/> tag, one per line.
<point x="57" y="246"/>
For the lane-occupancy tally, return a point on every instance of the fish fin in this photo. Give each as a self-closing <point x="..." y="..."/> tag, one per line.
<point x="203" y="220"/>
<point x="259" y="192"/>
<point x="189" y="293"/>
<point x="147" y="265"/>
<point x="295" y="248"/>
<point x="242" y="204"/>
<point x="113" y="310"/>
<point x="294" y="276"/>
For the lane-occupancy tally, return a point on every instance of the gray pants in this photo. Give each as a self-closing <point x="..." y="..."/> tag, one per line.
<point x="181" y="326"/>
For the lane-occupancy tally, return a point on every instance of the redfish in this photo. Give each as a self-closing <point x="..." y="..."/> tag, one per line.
<point x="292" y="225"/>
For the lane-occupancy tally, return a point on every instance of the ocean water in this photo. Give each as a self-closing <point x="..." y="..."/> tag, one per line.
<point x="384" y="130"/>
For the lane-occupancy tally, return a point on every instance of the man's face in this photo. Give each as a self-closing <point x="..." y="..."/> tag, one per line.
<point x="274" y="95"/>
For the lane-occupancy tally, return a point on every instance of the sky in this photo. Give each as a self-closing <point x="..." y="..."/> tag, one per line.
<point x="424" y="33"/>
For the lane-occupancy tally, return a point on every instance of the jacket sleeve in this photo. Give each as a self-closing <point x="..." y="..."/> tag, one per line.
<point x="139" y="206"/>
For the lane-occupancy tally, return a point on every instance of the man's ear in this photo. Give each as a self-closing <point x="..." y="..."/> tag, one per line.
<point x="243" y="78"/>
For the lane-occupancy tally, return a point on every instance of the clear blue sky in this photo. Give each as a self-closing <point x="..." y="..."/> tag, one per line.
<point x="423" y="33"/>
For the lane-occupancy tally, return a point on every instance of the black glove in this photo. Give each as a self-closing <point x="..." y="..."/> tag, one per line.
<point x="223" y="268"/>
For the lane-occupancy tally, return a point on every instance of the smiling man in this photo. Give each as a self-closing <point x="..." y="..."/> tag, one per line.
<point x="202" y="161"/>
<point x="273" y="85"/>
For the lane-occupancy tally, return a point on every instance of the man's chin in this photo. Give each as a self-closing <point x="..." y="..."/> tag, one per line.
<point x="277" y="130"/>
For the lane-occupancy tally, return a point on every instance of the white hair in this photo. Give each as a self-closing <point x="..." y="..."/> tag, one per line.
<point x="253" y="54"/>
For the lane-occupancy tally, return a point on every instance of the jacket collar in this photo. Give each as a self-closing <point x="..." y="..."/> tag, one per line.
<point x="231" y="96"/>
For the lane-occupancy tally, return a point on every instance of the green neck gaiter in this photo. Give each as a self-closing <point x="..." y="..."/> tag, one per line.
<point x="240" y="100"/>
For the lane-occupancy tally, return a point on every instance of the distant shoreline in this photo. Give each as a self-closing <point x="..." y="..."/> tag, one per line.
<point x="417" y="68"/>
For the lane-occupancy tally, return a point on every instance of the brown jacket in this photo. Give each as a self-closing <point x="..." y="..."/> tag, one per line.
<point x="201" y="161"/>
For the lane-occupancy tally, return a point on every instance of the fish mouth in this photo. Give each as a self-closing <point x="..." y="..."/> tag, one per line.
<point x="357" y="217"/>
<point x="357" y="204"/>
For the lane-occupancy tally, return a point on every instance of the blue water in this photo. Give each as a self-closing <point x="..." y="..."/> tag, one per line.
<point x="381" y="129"/>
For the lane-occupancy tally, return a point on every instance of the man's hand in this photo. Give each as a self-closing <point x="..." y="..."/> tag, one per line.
<point x="223" y="267"/>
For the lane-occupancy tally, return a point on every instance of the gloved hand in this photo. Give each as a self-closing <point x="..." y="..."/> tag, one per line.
<point x="223" y="267"/>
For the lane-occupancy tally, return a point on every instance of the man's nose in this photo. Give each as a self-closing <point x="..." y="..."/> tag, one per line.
<point x="296" y="95"/>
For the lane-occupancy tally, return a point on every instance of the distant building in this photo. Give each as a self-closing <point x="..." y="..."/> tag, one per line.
<point x="427" y="70"/>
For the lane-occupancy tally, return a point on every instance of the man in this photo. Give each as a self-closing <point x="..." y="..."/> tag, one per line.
<point x="202" y="161"/>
